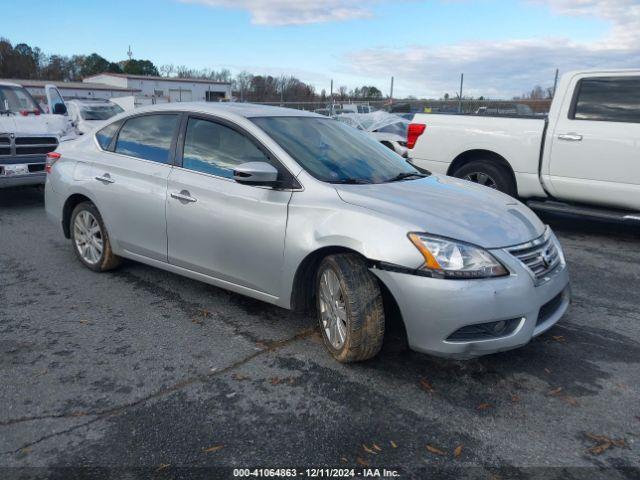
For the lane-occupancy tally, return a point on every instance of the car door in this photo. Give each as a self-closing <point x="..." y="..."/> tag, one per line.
<point x="595" y="151"/>
<point x="130" y="182"/>
<point x="55" y="101"/>
<point x="216" y="226"/>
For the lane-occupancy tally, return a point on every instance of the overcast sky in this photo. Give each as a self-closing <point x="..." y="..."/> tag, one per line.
<point x="504" y="47"/>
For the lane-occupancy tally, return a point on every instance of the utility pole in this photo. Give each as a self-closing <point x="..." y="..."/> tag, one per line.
<point x="331" y="110"/>
<point x="460" y="94"/>
<point x="391" y="93"/>
<point x="555" y="82"/>
<point x="282" y="92"/>
<point x="129" y="53"/>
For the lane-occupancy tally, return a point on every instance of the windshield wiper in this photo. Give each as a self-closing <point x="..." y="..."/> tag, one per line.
<point x="351" y="181"/>
<point x="406" y="175"/>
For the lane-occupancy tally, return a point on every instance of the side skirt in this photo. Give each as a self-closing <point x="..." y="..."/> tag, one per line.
<point x="216" y="282"/>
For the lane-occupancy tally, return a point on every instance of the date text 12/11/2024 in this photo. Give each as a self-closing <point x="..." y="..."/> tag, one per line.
<point x="316" y="473"/>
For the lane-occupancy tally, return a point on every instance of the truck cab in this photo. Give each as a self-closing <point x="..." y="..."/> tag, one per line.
<point x="591" y="153"/>
<point x="27" y="134"/>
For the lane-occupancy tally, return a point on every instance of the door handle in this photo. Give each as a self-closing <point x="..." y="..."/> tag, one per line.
<point x="106" y="178"/>
<point x="570" y="137"/>
<point x="184" y="196"/>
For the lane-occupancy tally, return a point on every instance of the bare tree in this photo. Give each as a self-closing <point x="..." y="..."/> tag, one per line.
<point x="167" y="70"/>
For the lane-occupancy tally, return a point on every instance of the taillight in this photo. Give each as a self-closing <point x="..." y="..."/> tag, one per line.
<point x="52" y="157"/>
<point x="413" y="133"/>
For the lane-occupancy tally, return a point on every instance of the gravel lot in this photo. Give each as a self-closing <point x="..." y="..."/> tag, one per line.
<point x="142" y="368"/>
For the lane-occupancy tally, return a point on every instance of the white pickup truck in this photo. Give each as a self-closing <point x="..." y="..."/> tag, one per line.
<point x="584" y="158"/>
<point x="27" y="133"/>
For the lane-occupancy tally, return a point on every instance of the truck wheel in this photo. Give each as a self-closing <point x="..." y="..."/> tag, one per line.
<point x="90" y="239"/>
<point x="350" y="309"/>
<point x="488" y="173"/>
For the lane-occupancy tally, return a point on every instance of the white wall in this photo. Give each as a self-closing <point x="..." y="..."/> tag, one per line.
<point x="188" y="91"/>
<point x="107" y="80"/>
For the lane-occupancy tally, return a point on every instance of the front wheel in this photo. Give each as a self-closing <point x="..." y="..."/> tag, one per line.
<point x="90" y="238"/>
<point x="350" y="309"/>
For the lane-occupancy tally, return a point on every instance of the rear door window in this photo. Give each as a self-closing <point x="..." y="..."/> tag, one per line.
<point x="148" y="137"/>
<point x="608" y="99"/>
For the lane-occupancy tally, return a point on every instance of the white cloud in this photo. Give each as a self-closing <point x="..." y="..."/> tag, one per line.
<point x="624" y="15"/>
<point x="296" y="12"/>
<point x="504" y="69"/>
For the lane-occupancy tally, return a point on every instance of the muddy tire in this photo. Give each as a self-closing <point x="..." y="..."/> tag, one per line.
<point x="90" y="239"/>
<point x="350" y="308"/>
<point x="488" y="173"/>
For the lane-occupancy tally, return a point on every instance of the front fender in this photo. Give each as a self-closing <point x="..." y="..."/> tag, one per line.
<point x="334" y="223"/>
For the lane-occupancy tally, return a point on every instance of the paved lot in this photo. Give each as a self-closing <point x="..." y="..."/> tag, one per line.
<point x="144" y="368"/>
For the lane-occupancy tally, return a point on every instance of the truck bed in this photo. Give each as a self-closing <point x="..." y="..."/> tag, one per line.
<point x="449" y="137"/>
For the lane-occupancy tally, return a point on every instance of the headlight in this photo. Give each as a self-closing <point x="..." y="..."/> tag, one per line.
<point x="446" y="258"/>
<point x="556" y="243"/>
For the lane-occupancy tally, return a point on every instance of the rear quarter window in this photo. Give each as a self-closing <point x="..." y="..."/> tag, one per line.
<point x="105" y="135"/>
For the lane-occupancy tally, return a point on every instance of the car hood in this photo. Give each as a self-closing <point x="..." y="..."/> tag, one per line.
<point x="57" y="125"/>
<point x="451" y="208"/>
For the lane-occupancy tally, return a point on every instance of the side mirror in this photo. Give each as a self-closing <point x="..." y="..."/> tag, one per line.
<point x="256" y="173"/>
<point x="59" y="109"/>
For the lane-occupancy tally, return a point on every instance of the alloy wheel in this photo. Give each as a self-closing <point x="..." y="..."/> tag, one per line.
<point x="88" y="237"/>
<point x="333" y="312"/>
<point x="481" y="178"/>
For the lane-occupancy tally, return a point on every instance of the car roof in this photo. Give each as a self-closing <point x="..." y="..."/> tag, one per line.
<point x="10" y="84"/>
<point x="247" y="110"/>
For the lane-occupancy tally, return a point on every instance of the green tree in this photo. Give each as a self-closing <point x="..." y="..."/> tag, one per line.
<point x="114" y="68"/>
<point x="94" y="64"/>
<point x="140" y="67"/>
<point x="24" y="64"/>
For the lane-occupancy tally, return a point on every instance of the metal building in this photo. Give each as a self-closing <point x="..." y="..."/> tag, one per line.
<point x="165" y="89"/>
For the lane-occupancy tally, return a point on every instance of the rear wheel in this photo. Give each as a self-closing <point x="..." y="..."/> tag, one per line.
<point x="488" y="173"/>
<point x="350" y="309"/>
<point x="90" y="238"/>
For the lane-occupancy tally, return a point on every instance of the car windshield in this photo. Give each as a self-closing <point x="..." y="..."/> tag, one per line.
<point x="334" y="152"/>
<point x="16" y="99"/>
<point x="99" y="112"/>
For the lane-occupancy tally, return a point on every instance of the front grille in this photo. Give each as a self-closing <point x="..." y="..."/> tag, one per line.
<point x="36" y="141"/>
<point x="550" y="308"/>
<point x="540" y="256"/>
<point x="23" y="146"/>
<point x="5" y="146"/>
<point x="40" y="150"/>
<point x="36" y="167"/>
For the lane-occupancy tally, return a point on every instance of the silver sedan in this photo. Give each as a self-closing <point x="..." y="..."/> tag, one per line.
<point x="300" y="211"/>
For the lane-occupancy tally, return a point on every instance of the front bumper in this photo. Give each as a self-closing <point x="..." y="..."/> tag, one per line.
<point x="433" y="309"/>
<point x="35" y="165"/>
<point x="36" y="178"/>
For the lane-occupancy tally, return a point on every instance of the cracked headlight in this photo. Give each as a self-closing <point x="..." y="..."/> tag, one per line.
<point x="446" y="258"/>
